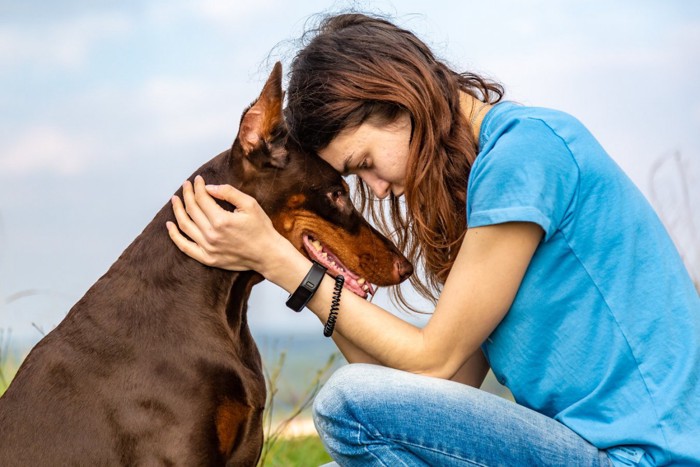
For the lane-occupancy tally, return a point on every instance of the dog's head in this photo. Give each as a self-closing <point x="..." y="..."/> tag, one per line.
<point x="307" y="200"/>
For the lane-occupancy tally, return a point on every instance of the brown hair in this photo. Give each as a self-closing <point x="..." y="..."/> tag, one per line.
<point x="357" y="67"/>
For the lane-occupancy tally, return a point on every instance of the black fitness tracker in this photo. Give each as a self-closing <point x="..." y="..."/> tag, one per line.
<point x="301" y="296"/>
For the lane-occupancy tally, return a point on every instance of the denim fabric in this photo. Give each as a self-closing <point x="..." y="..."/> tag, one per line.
<point x="372" y="415"/>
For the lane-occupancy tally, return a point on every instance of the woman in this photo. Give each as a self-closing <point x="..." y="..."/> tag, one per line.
<point x="565" y="283"/>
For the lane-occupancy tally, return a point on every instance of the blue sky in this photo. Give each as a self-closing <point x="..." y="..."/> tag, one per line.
<point x="106" y="107"/>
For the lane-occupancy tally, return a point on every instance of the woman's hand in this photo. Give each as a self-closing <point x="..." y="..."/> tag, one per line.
<point x="236" y="241"/>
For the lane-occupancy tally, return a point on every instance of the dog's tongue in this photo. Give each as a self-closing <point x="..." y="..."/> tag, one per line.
<point x="353" y="282"/>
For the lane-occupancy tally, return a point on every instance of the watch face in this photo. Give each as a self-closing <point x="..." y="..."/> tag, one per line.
<point x="301" y="296"/>
<point x="304" y="295"/>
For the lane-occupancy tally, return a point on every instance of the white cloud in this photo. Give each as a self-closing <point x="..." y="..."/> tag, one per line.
<point x="66" y="43"/>
<point x="46" y="148"/>
<point x="191" y="110"/>
<point x="217" y="12"/>
<point x="228" y="12"/>
<point x="149" y="120"/>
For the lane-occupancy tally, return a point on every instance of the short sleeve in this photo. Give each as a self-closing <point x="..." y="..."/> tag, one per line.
<point x="526" y="174"/>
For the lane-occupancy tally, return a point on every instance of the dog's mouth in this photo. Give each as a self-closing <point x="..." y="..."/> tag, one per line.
<point x="321" y="254"/>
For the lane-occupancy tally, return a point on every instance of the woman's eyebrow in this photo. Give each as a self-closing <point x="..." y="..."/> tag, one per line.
<point x="346" y="166"/>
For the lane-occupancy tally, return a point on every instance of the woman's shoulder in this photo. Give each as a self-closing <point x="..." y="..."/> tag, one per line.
<point x="512" y="118"/>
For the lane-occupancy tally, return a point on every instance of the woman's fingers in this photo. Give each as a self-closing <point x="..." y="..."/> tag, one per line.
<point x="193" y="208"/>
<point x="214" y="213"/>
<point x="185" y="223"/>
<point x="229" y="240"/>
<point x="191" y="249"/>
<point x="232" y="195"/>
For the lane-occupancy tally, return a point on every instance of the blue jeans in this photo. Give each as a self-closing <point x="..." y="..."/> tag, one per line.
<point x="372" y="415"/>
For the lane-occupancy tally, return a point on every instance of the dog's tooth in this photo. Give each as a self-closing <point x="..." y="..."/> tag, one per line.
<point x="361" y="280"/>
<point x="332" y="263"/>
<point x="365" y="287"/>
<point x="317" y="245"/>
<point x="324" y="254"/>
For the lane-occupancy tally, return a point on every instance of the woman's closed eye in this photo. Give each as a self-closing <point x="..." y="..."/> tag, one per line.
<point x="363" y="165"/>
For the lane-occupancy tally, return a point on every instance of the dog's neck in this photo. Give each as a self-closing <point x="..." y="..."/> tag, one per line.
<point x="155" y="277"/>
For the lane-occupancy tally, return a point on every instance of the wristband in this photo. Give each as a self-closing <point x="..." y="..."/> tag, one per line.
<point x="301" y="296"/>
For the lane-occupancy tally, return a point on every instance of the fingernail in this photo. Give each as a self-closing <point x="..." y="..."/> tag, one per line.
<point x="212" y="187"/>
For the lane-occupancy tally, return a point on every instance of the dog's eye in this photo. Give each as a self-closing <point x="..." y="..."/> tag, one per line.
<point x="337" y="198"/>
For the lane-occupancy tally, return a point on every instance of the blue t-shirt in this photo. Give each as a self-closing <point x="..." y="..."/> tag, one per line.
<point x="604" y="332"/>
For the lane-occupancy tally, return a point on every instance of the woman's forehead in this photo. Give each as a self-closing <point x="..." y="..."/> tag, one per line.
<point x="343" y="148"/>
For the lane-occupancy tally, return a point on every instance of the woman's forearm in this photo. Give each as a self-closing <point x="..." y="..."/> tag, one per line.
<point x="471" y="373"/>
<point x="372" y="333"/>
<point x="351" y="352"/>
<point x="476" y="296"/>
<point x="386" y="338"/>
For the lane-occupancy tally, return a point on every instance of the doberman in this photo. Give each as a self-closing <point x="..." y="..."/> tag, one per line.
<point x="155" y="365"/>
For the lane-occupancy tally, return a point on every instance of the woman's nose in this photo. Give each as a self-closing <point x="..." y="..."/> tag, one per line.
<point x="380" y="188"/>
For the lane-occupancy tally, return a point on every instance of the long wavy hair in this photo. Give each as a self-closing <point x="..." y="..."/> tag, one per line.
<point x="354" y="68"/>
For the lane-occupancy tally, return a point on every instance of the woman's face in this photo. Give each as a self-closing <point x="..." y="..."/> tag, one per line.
<point x="377" y="154"/>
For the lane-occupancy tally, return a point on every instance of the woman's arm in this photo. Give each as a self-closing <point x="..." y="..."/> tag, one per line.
<point x="351" y="352"/>
<point x="477" y="294"/>
<point x="473" y="372"/>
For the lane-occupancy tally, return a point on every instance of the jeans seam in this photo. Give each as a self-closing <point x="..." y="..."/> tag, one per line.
<point x="379" y="435"/>
<point x="439" y="451"/>
<point x="360" y="429"/>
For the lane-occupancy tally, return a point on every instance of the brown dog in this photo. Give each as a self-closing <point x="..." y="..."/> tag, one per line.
<point x="155" y="365"/>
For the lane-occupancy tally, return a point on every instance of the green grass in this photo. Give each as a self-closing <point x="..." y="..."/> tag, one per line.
<point x="3" y="383"/>
<point x="279" y="450"/>
<point x="7" y="372"/>
<point x="297" y="452"/>
<point x="8" y="367"/>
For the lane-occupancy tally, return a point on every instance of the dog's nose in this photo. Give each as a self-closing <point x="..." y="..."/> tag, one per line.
<point x="403" y="269"/>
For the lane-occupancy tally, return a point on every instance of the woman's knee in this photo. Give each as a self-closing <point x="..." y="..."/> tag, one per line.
<point x="350" y="393"/>
<point x="350" y="404"/>
<point x="341" y="390"/>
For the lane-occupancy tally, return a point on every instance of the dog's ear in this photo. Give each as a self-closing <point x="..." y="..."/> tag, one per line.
<point x="263" y="123"/>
